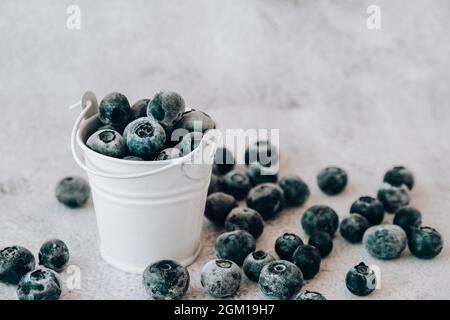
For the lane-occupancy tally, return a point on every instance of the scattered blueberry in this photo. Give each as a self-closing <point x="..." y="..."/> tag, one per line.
<point x="139" y="109"/>
<point x="54" y="255"/>
<point x="307" y="258"/>
<point x="215" y="184"/>
<point x="221" y="278"/>
<point x="353" y="228"/>
<point x="190" y="142"/>
<point x="393" y="198"/>
<point x="108" y="142"/>
<point x="262" y="152"/>
<point x="246" y="219"/>
<point x="40" y="284"/>
<point x="425" y="242"/>
<point x="320" y="218"/>
<point x="296" y="191"/>
<point x="15" y="262"/>
<point x="361" y="280"/>
<point x="236" y="184"/>
<point x="267" y="199"/>
<point x="166" y="280"/>
<point x="166" y="107"/>
<point x="385" y="241"/>
<point x="224" y="161"/>
<point x="235" y="246"/>
<point x="169" y="153"/>
<point x="114" y="109"/>
<point x="310" y="295"/>
<point x="286" y="244"/>
<point x="145" y="138"/>
<point x="218" y="206"/>
<point x="280" y="279"/>
<point x="192" y="120"/>
<point x="133" y="158"/>
<point x="322" y="241"/>
<point x="407" y="218"/>
<point x="259" y="174"/>
<point x="370" y="208"/>
<point x="399" y="176"/>
<point x="254" y="263"/>
<point x="73" y="192"/>
<point x="332" y="180"/>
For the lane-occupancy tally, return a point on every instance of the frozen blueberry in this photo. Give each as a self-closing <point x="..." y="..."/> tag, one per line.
<point x="385" y="241"/>
<point x="192" y="120"/>
<point x="407" y="218"/>
<point x="307" y="258"/>
<point x="236" y="184"/>
<point x="353" y="228"/>
<point x="114" y="109"/>
<point x="169" y="153"/>
<point x="322" y="241"/>
<point x="166" y="280"/>
<point x="310" y="295"/>
<point x="258" y="174"/>
<point x="254" y="263"/>
<point x="221" y="278"/>
<point x="224" y="161"/>
<point x="133" y="158"/>
<point x="54" y="255"/>
<point x="215" y="184"/>
<point x="166" y="107"/>
<point x="280" y="279"/>
<point x="145" y="138"/>
<point x="399" y="176"/>
<point x="296" y="191"/>
<point x="425" y="242"/>
<point x="218" y="206"/>
<point x="286" y="244"/>
<point x="262" y="152"/>
<point x="320" y="218"/>
<point x="15" y="262"/>
<point x="73" y="192"/>
<point x="139" y="109"/>
<point x="108" y="142"/>
<point x="235" y="246"/>
<point x="393" y="198"/>
<point x="40" y="284"/>
<point x="332" y="180"/>
<point x="361" y="280"/>
<point x="190" y="142"/>
<point x="370" y="208"/>
<point x="267" y="199"/>
<point x="247" y="219"/>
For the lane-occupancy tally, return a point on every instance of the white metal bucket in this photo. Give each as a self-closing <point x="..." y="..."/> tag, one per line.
<point x="146" y="210"/>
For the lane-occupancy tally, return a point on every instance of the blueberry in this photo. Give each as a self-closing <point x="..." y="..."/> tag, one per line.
<point x="320" y="218"/>
<point x="246" y="219"/>
<point x="399" y="176"/>
<point x="236" y="184"/>
<point x="393" y="198"/>
<point x="221" y="278"/>
<point x="133" y="158"/>
<point x="108" y="142"/>
<point x="218" y="206"/>
<point x="332" y="180"/>
<point x="407" y="218"/>
<point x="262" y="152"/>
<point x="235" y="246"/>
<point x="309" y="295"/>
<point x="40" y="284"/>
<point x="307" y="258"/>
<point x="192" y="120"/>
<point x="73" y="192"/>
<point x="425" y="242"/>
<point x="259" y="174"/>
<point x="215" y="184"/>
<point x="370" y="208"/>
<point x="54" y="255"/>
<point x="361" y="280"/>
<point x="139" y="109"/>
<point x="169" y="153"/>
<point x="353" y="228"/>
<point x="322" y="241"/>
<point x="190" y="142"/>
<point x="114" y="109"/>
<point x="166" y="280"/>
<point x="224" y="161"/>
<point x="166" y="107"/>
<point x="280" y="279"/>
<point x="286" y="244"/>
<point x="385" y="241"/>
<point x="107" y="127"/>
<point x="296" y="191"/>
<point x="267" y="199"/>
<point x="254" y="263"/>
<point x="145" y="138"/>
<point x="15" y="262"/>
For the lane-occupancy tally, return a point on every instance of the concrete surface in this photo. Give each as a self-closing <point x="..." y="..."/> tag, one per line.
<point x="340" y="93"/>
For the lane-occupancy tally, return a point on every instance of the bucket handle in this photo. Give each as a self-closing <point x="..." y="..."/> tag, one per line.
<point x="89" y="107"/>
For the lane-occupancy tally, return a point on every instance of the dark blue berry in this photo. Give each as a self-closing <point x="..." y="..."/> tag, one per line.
<point x="169" y="153"/>
<point x="15" y="262"/>
<point x="267" y="199"/>
<point x="280" y="279"/>
<point x="393" y="198"/>
<point x="145" y="138"/>
<point x="166" y="107"/>
<point x="192" y="120"/>
<point x="361" y="280"/>
<point x="309" y="295"/>
<point x="190" y="142"/>
<point x="332" y="180"/>
<point x="307" y="258"/>
<point x="114" y="109"/>
<point x="54" y="255"/>
<point x="221" y="278"/>
<point x="322" y="241"/>
<point x="286" y="244"/>
<point x="370" y="208"/>
<point x="259" y="174"/>
<point x="246" y="219"/>
<point x="139" y="109"/>
<point x="254" y="263"/>
<point x="108" y="142"/>
<point x="399" y="176"/>
<point x="425" y="242"/>
<point x="385" y="241"/>
<point x="166" y="280"/>
<point x="262" y="152"/>
<point x="353" y="228"/>
<point x="218" y="206"/>
<point x="320" y="218"/>
<point x="40" y="284"/>
<point x="73" y="192"/>
<point x="407" y="218"/>
<point x="215" y="184"/>
<point x="235" y="246"/>
<point x="236" y="184"/>
<point x="296" y="191"/>
<point x="224" y="161"/>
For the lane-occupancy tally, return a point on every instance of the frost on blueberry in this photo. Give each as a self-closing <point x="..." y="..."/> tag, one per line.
<point x="167" y="107"/>
<point x="192" y="120"/>
<point x="54" y="255"/>
<point x="218" y="206"/>
<point x="40" y="284"/>
<point x="221" y="278"/>
<point x="235" y="246"/>
<point x="286" y="244"/>
<point x="385" y="241"/>
<point x="322" y="241"/>
<point x="108" y="142"/>
<point x="224" y="161"/>
<point x="254" y="263"/>
<point x="15" y="262"/>
<point x="398" y="176"/>
<point x="267" y="199"/>
<point x="425" y="242"/>
<point x="307" y="258"/>
<point x="332" y="180"/>
<point x="353" y="227"/>
<point x="296" y="191"/>
<point x="408" y="218"/>
<point x="370" y="208"/>
<point x="73" y="192"/>
<point x="139" y="109"/>
<point x="246" y="219"/>
<point x="361" y="280"/>
<point x="145" y="138"/>
<point x="320" y="218"/>
<point x="393" y="198"/>
<point x="114" y="109"/>
<point x="280" y="279"/>
<point x="236" y="184"/>
<point x="259" y="174"/>
<point x="168" y="154"/>
<point x="309" y="295"/>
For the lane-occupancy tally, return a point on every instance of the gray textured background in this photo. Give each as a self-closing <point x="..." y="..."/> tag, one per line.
<point x="341" y="94"/>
